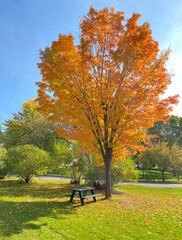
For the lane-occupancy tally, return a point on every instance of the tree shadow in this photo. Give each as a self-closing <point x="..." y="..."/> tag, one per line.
<point x="22" y="204"/>
<point x="49" y="191"/>
<point x="17" y="216"/>
<point x="12" y="189"/>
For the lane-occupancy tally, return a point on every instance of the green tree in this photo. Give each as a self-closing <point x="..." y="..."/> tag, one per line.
<point x="176" y="159"/>
<point x="1" y="135"/>
<point x="168" y="132"/>
<point x="147" y="161"/>
<point x="3" y="168"/>
<point x="27" y="161"/>
<point x="123" y="170"/>
<point x="74" y="161"/>
<point x="29" y="127"/>
<point x="180" y="129"/>
<point x="61" y="152"/>
<point x="161" y="155"/>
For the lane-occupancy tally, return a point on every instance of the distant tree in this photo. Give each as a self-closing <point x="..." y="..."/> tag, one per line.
<point x="161" y="155"/>
<point x="168" y="132"/>
<point x="176" y="159"/>
<point x="27" y="161"/>
<point x="61" y="152"/>
<point x="147" y="161"/>
<point x="93" y="169"/>
<point x="29" y="127"/>
<point x="179" y="142"/>
<point x="1" y="135"/>
<point x="74" y="161"/>
<point x="108" y="87"/>
<point x="3" y="167"/>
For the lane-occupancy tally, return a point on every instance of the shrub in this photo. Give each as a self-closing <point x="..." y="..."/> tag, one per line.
<point x="123" y="170"/>
<point x="120" y="171"/>
<point x="27" y="161"/>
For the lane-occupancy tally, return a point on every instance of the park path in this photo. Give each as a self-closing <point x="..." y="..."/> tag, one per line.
<point x="145" y="184"/>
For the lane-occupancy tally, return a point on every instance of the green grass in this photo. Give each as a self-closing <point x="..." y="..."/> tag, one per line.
<point x="40" y="211"/>
<point x="157" y="176"/>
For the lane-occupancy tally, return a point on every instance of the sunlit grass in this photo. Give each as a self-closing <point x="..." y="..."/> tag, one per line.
<point x="41" y="211"/>
<point x="146" y="176"/>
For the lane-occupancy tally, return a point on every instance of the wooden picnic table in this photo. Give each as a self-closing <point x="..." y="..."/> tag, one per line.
<point x="83" y="193"/>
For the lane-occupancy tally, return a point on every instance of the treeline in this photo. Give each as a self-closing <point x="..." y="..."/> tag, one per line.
<point x="30" y="146"/>
<point x="164" y="151"/>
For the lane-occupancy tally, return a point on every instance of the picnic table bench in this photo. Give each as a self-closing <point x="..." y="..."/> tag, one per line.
<point x="82" y="193"/>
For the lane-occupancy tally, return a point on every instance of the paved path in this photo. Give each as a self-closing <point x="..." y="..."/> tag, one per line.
<point x="53" y="178"/>
<point x="155" y="184"/>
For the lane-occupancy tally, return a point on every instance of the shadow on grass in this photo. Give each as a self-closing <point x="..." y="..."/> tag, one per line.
<point x="11" y="188"/>
<point x="17" y="216"/>
<point x="23" y="205"/>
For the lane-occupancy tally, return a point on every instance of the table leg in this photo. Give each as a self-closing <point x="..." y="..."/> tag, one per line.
<point x="81" y="198"/>
<point x="85" y="193"/>
<point x="94" y="198"/>
<point x="72" y="196"/>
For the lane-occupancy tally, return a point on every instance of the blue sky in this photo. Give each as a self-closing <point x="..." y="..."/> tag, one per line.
<point x="29" y="25"/>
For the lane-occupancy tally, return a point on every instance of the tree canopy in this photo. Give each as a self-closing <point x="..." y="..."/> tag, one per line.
<point x="108" y="88"/>
<point x="169" y="132"/>
<point x="29" y="127"/>
<point x="158" y="154"/>
<point x="3" y="168"/>
<point x="176" y="159"/>
<point x="1" y="135"/>
<point x="27" y="161"/>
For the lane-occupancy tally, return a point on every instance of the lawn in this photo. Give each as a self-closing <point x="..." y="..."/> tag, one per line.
<point x="147" y="177"/>
<point x="40" y="211"/>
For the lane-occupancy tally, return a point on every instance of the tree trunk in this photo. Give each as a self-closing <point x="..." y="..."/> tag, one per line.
<point x="174" y="173"/>
<point x="108" y="180"/>
<point x="152" y="176"/>
<point x="27" y="179"/>
<point x="163" y="179"/>
<point x="108" y="160"/>
<point x="178" y="175"/>
<point x="138" y="167"/>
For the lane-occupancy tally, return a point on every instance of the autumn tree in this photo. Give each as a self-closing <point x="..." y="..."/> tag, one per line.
<point x="107" y="88"/>
<point x="3" y="167"/>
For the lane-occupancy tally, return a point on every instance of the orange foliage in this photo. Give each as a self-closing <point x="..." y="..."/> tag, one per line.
<point x="109" y="87"/>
